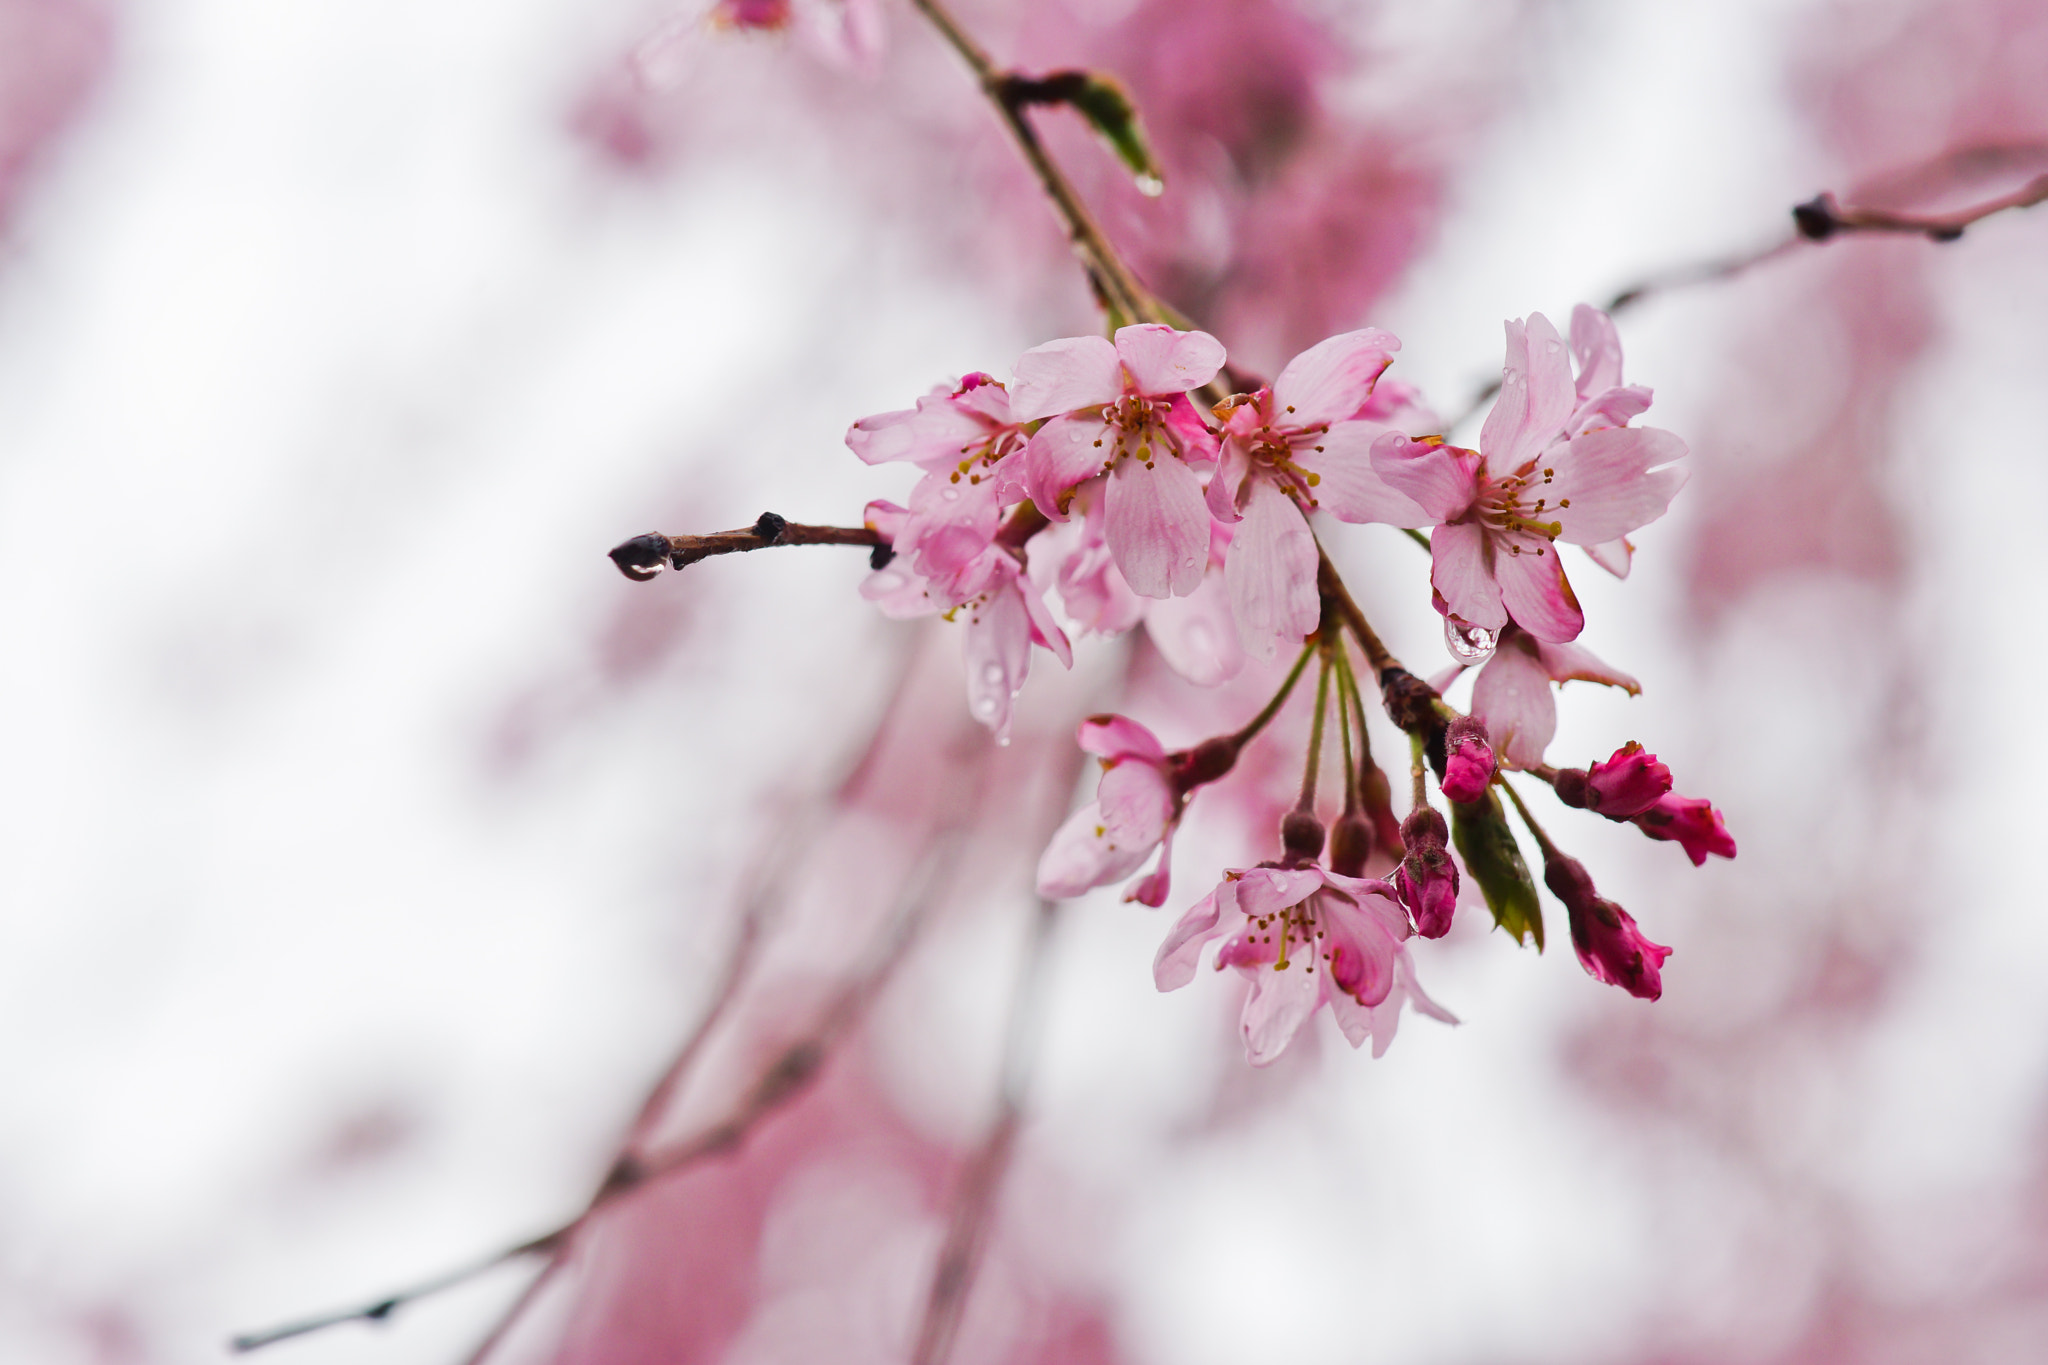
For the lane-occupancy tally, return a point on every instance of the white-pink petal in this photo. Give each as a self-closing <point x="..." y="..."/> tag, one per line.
<point x="1331" y="380"/>
<point x="1461" y="576"/>
<point x="1280" y="1003"/>
<point x="1082" y="856"/>
<point x="1512" y="698"/>
<point x="1178" y="957"/>
<point x="1536" y="396"/>
<point x="1348" y="486"/>
<point x="1271" y="573"/>
<point x="1196" y="634"/>
<point x="1533" y="588"/>
<point x="1162" y="361"/>
<point x="1060" y="376"/>
<point x="1114" y="737"/>
<point x="1441" y="479"/>
<point x="1066" y="451"/>
<point x="1611" y="481"/>
<point x="1157" y="526"/>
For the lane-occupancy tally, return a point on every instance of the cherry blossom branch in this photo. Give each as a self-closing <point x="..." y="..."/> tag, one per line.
<point x="785" y="1077"/>
<point x="643" y="557"/>
<point x="1823" y="217"/>
<point x="1011" y="93"/>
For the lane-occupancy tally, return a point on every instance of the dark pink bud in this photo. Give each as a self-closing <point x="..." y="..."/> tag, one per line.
<point x="1468" y="760"/>
<point x="1428" y="877"/>
<point x="1610" y="946"/>
<point x="1627" y="784"/>
<point x="1690" y="821"/>
<point x="1378" y="796"/>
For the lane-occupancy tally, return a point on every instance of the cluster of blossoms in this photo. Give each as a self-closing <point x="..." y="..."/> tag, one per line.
<point x="1117" y="478"/>
<point x="1117" y="474"/>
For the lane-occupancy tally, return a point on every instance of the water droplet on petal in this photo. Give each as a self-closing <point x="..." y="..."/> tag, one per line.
<point x="992" y="673"/>
<point x="1469" y="644"/>
<point x="950" y="493"/>
<point x="1553" y="347"/>
<point x="984" y="706"/>
<point x="1150" y="185"/>
<point x="888" y="580"/>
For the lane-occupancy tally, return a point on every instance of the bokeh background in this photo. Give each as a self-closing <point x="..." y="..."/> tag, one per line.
<point x="368" y="845"/>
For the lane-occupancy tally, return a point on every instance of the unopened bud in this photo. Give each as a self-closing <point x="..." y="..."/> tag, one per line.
<point x="1350" y="844"/>
<point x="1301" y="836"/>
<point x="1468" y="760"/>
<point x="1428" y="876"/>
<point x="1691" y="822"/>
<point x="1610" y="946"/>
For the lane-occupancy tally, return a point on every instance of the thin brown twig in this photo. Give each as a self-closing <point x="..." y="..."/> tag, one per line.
<point x="643" y="557"/>
<point x="1113" y="279"/>
<point x="1823" y="217"/>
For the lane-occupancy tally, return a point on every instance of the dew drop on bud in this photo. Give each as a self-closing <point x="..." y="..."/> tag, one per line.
<point x="1469" y="644"/>
<point x="1151" y="186"/>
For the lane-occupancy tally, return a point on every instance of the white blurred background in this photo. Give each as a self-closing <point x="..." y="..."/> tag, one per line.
<point x="366" y="842"/>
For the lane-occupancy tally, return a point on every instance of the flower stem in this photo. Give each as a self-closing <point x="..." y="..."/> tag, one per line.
<point x="1315" y="736"/>
<point x="1272" y="708"/>
<point x="1522" y="808"/>
<point x="1347" y="708"/>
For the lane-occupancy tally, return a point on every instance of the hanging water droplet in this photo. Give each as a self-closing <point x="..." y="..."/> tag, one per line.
<point x="1469" y="644"/>
<point x="984" y="706"/>
<point x="1150" y="185"/>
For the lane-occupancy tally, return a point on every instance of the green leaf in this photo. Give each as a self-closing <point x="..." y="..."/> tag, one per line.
<point x="1103" y="101"/>
<point x="1480" y="832"/>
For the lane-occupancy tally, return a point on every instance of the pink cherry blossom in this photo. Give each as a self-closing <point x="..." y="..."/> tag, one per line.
<point x="1091" y="587"/>
<point x="1535" y="479"/>
<point x="1303" y="937"/>
<point x="1120" y="410"/>
<point x="1468" y="760"/>
<point x="1303" y="443"/>
<point x="1604" y="401"/>
<point x="1692" y="823"/>
<point x="1004" y="613"/>
<point x="1135" y="810"/>
<point x="1621" y="787"/>
<point x="1513" y="694"/>
<point x="1610" y="946"/>
<point x="1197" y="635"/>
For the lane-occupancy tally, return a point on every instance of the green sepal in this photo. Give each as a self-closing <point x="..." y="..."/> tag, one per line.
<point x="1479" y="831"/>
<point x="1106" y="105"/>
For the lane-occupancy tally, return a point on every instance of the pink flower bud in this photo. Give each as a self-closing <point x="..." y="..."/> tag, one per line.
<point x="1621" y="787"/>
<point x="1427" y="878"/>
<point x="1468" y="760"/>
<point x="1690" y="821"/>
<point x="1610" y="946"/>
<point x="1350" y="844"/>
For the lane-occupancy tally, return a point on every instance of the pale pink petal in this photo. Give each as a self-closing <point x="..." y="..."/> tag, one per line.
<point x="1386" y="1016"/>
<point x="1044" y="630"/>
<point x="1615" y="556"/>
<point x="1157" y="526"/>
<point x="998" y="653"/>
<point x="1113" y="737"/>
<point x="1181" y="953"/>
<point x="1136" y="801"/>
<point x="1065" y="452"/>
<point x="1574" y="663"/>
<point x="1162" y="361"/>
<point x="1151" y="888"/>
<point x="1439" y="478"/>
<point x="1536" y="396"/>
<point x="1280" y="1003"/>
<point x="1196" y="634"/>
<point x="1353" y="1020"/>
<point x="1232" y="464"/>
<point x="900" y="592"/>
<point x="1271" y="574"/>
<point x="1418" y="999"/>
<point x="1459" y="572"/>
<point x="1268" y="890"/>
<point x="885" y="519"/>
<point x="1082" y="856"/>
<point x="1615" y="407"/>
<point x="932" y="434"/>
<point x="1060" y="376"/>
<point x="1609" y="482"/>
<point x="1534" y="589"/>
<point x="1357" y="948"/>
<point x="1332" y="379"/>
<point x="1597" y="348"/>
<point x="1188" y="432"/>
<point x="1512" y="696"/>
<point x="1348" y="487"/>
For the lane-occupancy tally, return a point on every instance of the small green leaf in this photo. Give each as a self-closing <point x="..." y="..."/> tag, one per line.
<point x="1106" y="105"/>
<point x="1480" y="832"/>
